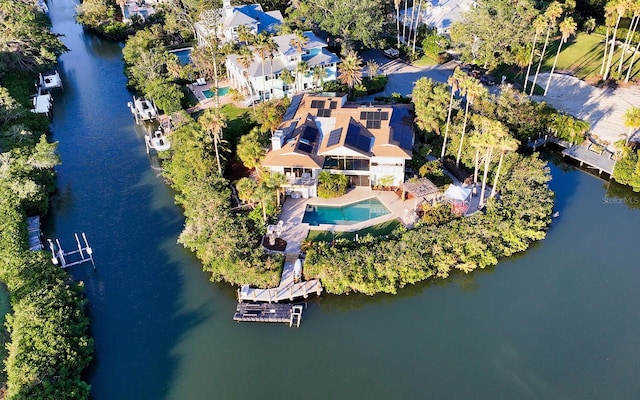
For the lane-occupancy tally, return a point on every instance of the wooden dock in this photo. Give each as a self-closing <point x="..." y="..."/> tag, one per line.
<point x="289" y="289"/>
<point x="269" y="312"/>
<point x="600" y="161"/>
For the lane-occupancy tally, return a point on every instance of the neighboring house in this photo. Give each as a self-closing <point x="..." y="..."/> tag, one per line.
<point x="438" y="14"/>
<point x="262" y="79"/>
<point x="140" y="8"/>
<point x="226" y="20"/>
<point x="322" y="132"/>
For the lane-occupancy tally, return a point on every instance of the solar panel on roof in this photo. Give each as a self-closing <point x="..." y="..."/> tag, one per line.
<point x="334" y="137"/>
<point x="371" y="124"/>
<point x="310" y="134"/>
<point x="324" y="112"/>
<point x="307" y="148"/>
<point x="317" y="103"/>
<point x="363" y="115"/>
<point x="356" y="140"/>
<point x="384" y="115"/>
<point x="333" y="105"/>
<point x="293" y="107"/>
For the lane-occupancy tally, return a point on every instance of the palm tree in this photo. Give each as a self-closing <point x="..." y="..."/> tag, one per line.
<point x="491" y="139"/>
<point x="372" y="68"/>
<point x="298" y="41"/>
<point x="274" y="181"/>
<point x="633" y="59"/>
<point x="213" y="121"/>
<point x="350" y="70"/>
<point x="319" y="73"/>
<point x="539" y="24"/>
<point x="632" y="121"/>
<point x="567" y="28"/>
<point x="620" y="7"/>
<point x="505" y="143"/>
<point x="301" y="69"/>
<point x="263" y="194"/>
<point x="264" y="46"/>
<point x="609" y="22"/>
<point x="287" y="78"/>
<point x="245" y="59"/>
<point x="245" y="34"/>
<point x="396" y="3"/>
<point x="552" y="13"/>
<point x="415" y="33"/>
<point x="246" y="187"/>
<point x="404" y="21"/>
<point x="635" y="7"/>
<point x="473" y="90"/>
<point x="453" y="81"/>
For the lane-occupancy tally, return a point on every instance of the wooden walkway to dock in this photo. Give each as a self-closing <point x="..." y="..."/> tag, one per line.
<point x="265" y="312"/>
<point x="288" y="290"/>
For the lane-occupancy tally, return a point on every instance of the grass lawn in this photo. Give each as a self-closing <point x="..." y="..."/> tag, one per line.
<point x="583" y="56"/>
<point x="239" y="122"/>
<point x="425" y="61"/>
<point x="384" y="228"/>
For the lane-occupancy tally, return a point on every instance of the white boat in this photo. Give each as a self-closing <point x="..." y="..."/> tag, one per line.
<point x="157" y="141"/>
<point x="52" y="81"/>
<point x="143" y="109"/>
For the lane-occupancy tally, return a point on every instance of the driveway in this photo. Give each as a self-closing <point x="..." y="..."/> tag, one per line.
<point x="402" y="75"/>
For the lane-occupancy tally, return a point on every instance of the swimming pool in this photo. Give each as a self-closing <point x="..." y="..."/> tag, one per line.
<point x="346" y="215"/>
<point x="221" y="92"/>
<point x="183" y="55"/>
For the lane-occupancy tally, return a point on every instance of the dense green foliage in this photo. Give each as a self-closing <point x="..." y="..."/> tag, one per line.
<point x="226" y="240"/>
<point x="508" y="226"/>
<point x="627" y="169"/>
<point x="332" y="185"/>
<point x="26" y="42"/>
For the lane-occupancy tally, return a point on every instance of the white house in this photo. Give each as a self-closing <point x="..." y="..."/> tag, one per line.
<point x="438" y="14"/>
<point x="141" y="8"/>
<point x="322" y="132"/>
<point x="261" y="79"/>
<point x="225" y="21"/>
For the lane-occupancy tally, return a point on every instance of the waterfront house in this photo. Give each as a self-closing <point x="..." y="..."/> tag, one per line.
<point x="437" y="14"/>
<point x="138" y="8"/>
<point x="322" y="132"/>
<point x="261" y="78"/>
<point x="224" y="22"/>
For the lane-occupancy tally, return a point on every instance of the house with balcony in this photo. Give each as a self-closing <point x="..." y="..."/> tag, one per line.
<point x="322" y="132"/>
<point x="224" y="22"/>
<point x="141" y="9"/>
<point x="261" y="79"/>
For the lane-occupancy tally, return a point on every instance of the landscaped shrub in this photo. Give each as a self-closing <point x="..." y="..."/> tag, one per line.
<point x="334" y="86"/>
<point x="332" y="185"/>
<point x="434" y="171"/>
<point x="375" y="84"/>
<point x="436" y="215"/>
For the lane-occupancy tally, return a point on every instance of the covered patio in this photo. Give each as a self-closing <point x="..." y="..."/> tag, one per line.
<point x="422" y="190"/>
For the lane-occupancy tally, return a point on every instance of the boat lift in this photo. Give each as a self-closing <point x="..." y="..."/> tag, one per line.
<point x="71" y="258"/>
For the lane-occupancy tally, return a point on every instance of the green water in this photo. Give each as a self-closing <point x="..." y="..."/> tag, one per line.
<point x="557" y="322"/>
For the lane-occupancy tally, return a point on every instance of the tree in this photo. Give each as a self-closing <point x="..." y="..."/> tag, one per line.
<point x="396" y="4"/>
<point x="301" y="70"/>
<point x="479" y="40"/>
<point x="472" y="90"/>
<point x="352" y="21"/>
<point x="287" y="78"/>
<point x="350" y="70"/>
<point x="245" y="35"/>
<point x="539" y="25"/>
<point x="274" y="181"/>
<point x="213" y="121"/>
<point x="552" y="13"/>
<point x="430" y="100"/>
<point x="319" y="74"/>
<point x="245" y="59"/>
<point x="505" y="143"/>
<point x="491" y="139"/>
<point x="620" y="7"/>
<point x="298" y="41"/>
<point x="635" y="18"/>
<point x="265" y="46"/>
<point x="246" y="188"/>
<point x="454" y="81"/>
<point x="567" y="28"/>
<point x="251" y="151"/>
<point x="632" y="121"/>
<point x="372" y="68"/>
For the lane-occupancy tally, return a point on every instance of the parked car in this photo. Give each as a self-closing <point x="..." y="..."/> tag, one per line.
<point x="488" y="80"/>
<point x="392" y="53"/>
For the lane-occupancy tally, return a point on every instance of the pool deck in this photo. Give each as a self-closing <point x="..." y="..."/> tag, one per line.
<point x="296" y="231"/>
<point x="205" y="102"/>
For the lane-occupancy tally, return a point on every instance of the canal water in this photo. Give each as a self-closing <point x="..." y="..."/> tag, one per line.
<point x="558" y="322"/>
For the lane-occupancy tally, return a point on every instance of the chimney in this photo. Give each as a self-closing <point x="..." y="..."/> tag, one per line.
<point x="226" y="3"/>
<point x="277" y="140"/>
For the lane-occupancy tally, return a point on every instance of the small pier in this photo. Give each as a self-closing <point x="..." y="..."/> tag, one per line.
<point x="269" y="312"/>
<point x="600" y="161"/>
<point x="70" y="258"/>
<point x="35" y="233"/>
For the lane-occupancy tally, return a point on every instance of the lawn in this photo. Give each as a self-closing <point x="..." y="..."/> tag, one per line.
<point x="582" y="55"/>
<point x="384" y="228"/>
<point x="425" y="61"/>
<point x="239" y="122"/>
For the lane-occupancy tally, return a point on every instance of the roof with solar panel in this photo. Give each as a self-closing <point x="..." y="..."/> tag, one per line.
<point x="324" y="124"/>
